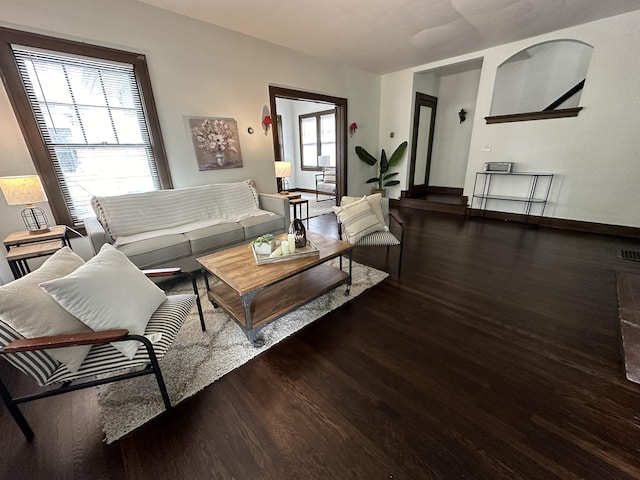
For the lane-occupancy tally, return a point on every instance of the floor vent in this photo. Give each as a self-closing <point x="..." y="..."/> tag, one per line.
<point x="629" y="255"/>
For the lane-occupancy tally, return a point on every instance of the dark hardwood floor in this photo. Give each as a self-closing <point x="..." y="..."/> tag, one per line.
<point x="496" y="354"/>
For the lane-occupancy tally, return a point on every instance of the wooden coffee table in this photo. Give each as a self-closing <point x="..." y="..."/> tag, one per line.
<point x="254" y="295"/>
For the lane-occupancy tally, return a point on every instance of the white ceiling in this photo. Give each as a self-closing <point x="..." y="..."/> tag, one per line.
<point x="383" y="36"/>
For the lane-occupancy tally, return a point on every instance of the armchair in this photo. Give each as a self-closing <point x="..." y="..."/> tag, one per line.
<point x="326" y="183"/>
<point x="368" y="222"/>
<point x="35" y="356"/>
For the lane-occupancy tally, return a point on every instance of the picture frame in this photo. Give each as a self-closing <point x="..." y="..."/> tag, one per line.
<point x="216" y="142"/>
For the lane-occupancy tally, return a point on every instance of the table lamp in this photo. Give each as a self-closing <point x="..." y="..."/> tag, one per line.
<point x="283" y="169"/>
<point x="27" y="190"/>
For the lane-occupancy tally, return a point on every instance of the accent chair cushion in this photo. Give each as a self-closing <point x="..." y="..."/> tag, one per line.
<point x="357" y="220"/>
<point x="376" y="203"/>
<point x="109" y="292"/>
<point x="32" y="313"/>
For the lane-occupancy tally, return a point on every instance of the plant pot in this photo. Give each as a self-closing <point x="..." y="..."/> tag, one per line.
<point x="265" y="248"/>
<point x="381" y="191"/>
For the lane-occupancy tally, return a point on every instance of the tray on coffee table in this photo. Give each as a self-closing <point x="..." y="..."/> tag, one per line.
<point x="309" y="250"/>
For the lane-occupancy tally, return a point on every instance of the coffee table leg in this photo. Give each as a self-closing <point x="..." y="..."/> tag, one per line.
<point x="249" y="330"/>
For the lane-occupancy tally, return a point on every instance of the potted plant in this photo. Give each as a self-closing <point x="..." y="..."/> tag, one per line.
<point x="383" y="178"/>
<point x="264" y="244"/>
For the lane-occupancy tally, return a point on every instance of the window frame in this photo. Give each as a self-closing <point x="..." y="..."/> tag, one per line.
<point x="317" y="116"/>
<point x="27" y="120"/>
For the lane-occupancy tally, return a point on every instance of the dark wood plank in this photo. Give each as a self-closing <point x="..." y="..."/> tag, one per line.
<point x="496" y="354"/>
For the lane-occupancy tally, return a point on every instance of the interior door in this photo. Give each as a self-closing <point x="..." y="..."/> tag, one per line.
<point x="424" y="120"/>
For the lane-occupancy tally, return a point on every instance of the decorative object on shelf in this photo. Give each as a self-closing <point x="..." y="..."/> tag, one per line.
<point x="266" y="123"/>
<point x="382" y="180"/>
<point x="352" y="128"/>
<point x="27" y="190"/>
<point x="296" y="228"/>
<point x="462" y="114"/>
<point x="498" y="167"/>
<point x="264" y="244"/>
<point x="216" y="142"/>
<point x="283" y="170"/>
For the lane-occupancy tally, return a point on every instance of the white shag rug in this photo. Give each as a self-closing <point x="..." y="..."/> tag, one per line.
<point x="317" y="208"/>
<point x="199" y="358"/>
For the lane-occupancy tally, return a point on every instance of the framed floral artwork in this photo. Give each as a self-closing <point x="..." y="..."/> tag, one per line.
<point x="215" y="142"/>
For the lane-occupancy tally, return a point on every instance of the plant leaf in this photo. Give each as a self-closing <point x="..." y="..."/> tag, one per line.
<point x="386" y="177"/>
<point x="384" y="164"/>
<point x="365" y="156"/>
<point x="392" y="182"/>
<point x="396" y="156"/>
<point x="372" y="180"/>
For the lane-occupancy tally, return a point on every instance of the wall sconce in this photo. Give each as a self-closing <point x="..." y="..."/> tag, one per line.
<point x="462" y="114"/>
<point x="27" y="190"/>
<point x="352" y="128"/>
<point x="266" y="123"/>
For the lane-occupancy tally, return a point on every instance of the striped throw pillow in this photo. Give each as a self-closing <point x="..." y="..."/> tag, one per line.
<point x="357" y="220"/>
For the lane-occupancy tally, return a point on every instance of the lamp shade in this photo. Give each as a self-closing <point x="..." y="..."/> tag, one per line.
<point x="283" y="169"/>
<point x="324" y="160"/>
<point x="22" y="190"/>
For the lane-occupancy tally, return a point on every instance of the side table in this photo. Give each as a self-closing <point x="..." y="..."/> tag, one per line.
<point x="22" y="246"/>
<point x="297" y="204"/>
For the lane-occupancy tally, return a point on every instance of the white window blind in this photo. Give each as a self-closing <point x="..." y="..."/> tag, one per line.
<point x="91" y="118"/>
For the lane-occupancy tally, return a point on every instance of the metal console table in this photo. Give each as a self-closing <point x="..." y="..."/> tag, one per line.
<point x="537" y="192"/>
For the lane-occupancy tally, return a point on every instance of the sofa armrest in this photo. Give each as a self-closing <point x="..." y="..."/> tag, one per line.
<point x="95" y="232"/>
<point x="276" y="204"/>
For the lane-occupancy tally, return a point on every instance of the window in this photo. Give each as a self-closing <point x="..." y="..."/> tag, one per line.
<point x="88" y="117"/>
<point x="317" y="138"/>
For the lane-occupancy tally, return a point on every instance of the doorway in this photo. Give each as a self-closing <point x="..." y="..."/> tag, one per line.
<point x="340" y="105"/>
<point x="424" y="121"/>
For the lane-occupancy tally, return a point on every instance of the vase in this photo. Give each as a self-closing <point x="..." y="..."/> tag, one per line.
<point x="220" y="159"/>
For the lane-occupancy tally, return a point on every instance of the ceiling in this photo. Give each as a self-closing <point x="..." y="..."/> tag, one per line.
<point x="383" y="36"/>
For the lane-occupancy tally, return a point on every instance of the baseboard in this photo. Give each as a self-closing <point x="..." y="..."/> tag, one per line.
<point x="446" y="190"/>
<point x="563" y="223"/>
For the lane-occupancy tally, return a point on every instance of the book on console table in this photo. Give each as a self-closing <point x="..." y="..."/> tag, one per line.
<point x="309" y="250"/>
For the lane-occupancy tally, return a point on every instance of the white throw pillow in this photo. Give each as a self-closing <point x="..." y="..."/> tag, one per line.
<point x="32" y="313"/>
<point x="375" y="202"/>
<point x="109" y="292"/>
<point x="357" y="220"/>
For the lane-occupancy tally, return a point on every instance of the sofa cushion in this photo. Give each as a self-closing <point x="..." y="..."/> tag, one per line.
<point x="256" y="226"/>
<point x="126" y="215"/>
<point x="214" y="237"/>
<point x="157" y="250"/>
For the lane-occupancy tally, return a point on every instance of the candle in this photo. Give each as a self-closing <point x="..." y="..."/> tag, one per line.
<point x="284" y="245"/>
<point x="291" y="239"/>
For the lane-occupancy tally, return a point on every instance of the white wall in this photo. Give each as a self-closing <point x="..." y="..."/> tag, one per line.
<point x="452" y="138"/>
<point x="541" y="75"/>
<point x="594" y="155"/>
<point x="196" y="70"/>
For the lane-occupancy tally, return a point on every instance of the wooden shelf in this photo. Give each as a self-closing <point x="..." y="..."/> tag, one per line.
<point x="280" y="298"/>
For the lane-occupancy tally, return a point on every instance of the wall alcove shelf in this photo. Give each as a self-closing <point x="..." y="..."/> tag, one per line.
<point x="488" y="186"/>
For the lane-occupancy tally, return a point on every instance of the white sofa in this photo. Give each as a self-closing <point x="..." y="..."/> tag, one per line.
<point x="174" y="227"/>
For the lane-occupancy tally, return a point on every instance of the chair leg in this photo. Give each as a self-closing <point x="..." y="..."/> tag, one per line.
<point x="153" y="359"/>
<point x="15" y="412"/>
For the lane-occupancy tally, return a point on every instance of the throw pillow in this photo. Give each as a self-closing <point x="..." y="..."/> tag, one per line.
<point x="109" y="292"/>
<point x="357" y="220"/>
<point x="375" y="202"/>
<point x="32" y="313"/>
